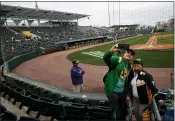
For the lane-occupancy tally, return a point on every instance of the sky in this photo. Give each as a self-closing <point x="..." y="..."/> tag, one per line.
<point x="147" y="13"/>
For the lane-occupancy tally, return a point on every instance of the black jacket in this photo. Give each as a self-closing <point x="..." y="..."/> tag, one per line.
<point x="145" y="79"/>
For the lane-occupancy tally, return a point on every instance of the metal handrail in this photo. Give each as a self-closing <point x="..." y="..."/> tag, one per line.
<point x="2" y="52"/>
<point x="156" y="111"/>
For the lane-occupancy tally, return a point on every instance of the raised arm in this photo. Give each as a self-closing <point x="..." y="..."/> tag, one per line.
<point x="109" y="59"/>
<point x="75" y="72"/>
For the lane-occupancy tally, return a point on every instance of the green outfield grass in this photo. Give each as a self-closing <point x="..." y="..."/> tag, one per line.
<point x="166" y="40"/>
<point x="162" y="33"/>
<point x="159" y="59"/>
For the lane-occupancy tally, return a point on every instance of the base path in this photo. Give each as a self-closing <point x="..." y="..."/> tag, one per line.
<point x="54" y="69"/>
<point x="152" y="44"/>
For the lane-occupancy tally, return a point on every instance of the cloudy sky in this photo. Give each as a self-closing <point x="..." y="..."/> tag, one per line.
<point x="120" y="13"/>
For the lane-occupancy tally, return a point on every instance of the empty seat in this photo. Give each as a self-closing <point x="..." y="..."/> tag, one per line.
<point x="2" y="87"/>
<point x="11" y="92"/>
<point x="76" y="111"/>
<point x="2" y="109"/>
<point x="80" y="100"/>
<point x="56" y="110"/>
<point x="17" y="95"/>
<point x="27" y="118"/>
<point x="33" y="103"/>
<point x="9" y="116"/>
<point x="100" y="112"/>
<point x="6" y="89"/>
<point x="44" y="107"/>
<point x="25" y="98"/>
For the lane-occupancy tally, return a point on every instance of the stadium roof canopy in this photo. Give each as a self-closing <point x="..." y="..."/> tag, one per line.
<point x="33" y="13"/>
<point x="132" y="25"/>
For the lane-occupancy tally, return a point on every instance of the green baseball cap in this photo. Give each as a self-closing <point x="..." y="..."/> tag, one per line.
<point x="138" y="60"/>
<point x="75" y="61"/>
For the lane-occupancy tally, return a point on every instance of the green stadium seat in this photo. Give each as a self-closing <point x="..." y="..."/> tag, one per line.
<point x="27" y="118"/>
<point x="76" y="111"/>
<point x="34" y="103"/>
<point x="56" y="110"/>
<point x="3" y="109"/>
<point x="25" y="97"/>
<point x="17" y="95"/>
<point x="100" y="112"/>
<point x="9" y="116"/>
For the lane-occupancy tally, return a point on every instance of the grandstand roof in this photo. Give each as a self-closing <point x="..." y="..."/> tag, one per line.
<point x="133" y="25"/>
<point x="32" y="13"/>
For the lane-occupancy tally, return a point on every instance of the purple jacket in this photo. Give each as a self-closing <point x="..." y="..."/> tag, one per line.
<point x="76" y="76"/>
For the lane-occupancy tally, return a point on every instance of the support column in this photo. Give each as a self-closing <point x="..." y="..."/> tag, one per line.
<point x="30" y="22"/>
<point x="77" y="22"/>
<point x="16" y="21"/>
<point x="6" y="21"/>
<point x="39" y="24"/>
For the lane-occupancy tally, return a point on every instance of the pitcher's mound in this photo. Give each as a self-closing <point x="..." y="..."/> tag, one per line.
<point x="152" y="47"/>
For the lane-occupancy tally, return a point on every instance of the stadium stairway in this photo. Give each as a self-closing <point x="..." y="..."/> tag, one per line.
<point x="12" y="108"/>
<point x="8" y="112"/>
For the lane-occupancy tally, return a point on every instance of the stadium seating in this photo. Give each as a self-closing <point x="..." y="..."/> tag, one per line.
<point x="15" y="43"/>
<point x="63" y="108"/>
<point x="3" y="109"/>
<point x="27" y="118"/>
<point x="100" y="112"/>
<point x="9" y="116"/>
<point x="76" y="111"/>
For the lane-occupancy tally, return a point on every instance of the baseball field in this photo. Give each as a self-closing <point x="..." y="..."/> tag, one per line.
<point x="156" y="50"/>
<point x="54" y="69"/>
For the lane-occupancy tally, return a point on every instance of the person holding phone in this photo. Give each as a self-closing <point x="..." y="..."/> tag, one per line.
<point x="114" y="81"/>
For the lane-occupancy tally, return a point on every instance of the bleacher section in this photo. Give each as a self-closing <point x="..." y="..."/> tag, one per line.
<point x="59" y="108"/>
<point x="16" y="43"/>
<point x="41" y="104"/>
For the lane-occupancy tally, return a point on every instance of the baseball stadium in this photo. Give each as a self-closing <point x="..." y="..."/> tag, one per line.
<point x="38" y="46"/>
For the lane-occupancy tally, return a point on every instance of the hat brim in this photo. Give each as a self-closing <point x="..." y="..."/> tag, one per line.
<point x="77" y="61"/>
<point x="131" y="50"/>
<point x="135" y="61"/>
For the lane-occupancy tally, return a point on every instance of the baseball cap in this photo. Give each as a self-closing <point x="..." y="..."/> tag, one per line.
<point x="138" y="60"/>
<point x="75" y="61"/>
<point x="132" y="51"/>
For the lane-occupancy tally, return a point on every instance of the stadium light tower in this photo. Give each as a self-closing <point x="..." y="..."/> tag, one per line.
<point x="36" y="6"/>
<point x="113" y="14"/>
<point x="109" y="15"/>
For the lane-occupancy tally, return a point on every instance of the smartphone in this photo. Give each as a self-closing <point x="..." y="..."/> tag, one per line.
<point x="122" y="46"/>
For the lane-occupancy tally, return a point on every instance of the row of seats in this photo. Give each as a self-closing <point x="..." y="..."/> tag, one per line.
<point x="6" y="115"/>
<point x="8" y="34"/>
<point x="15" y="44"/>
<point x="60" y="110"/>
<point x="48" y="94"/>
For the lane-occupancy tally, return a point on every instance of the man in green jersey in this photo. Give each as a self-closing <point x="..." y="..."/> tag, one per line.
<point x="114" y="81"/>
